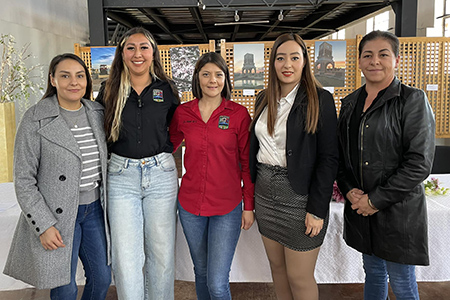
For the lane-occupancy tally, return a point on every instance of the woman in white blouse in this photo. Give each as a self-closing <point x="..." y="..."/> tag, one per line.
<point x="293" y="162"/>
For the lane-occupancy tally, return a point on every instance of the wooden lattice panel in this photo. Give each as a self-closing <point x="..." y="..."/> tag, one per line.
<point x="85" y="54"/>
<point x="424" y="64"/>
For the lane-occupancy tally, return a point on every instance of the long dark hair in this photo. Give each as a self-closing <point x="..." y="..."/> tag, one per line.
<point x="51" y="90"/>
<point x="273" y="91"/>
<point x="118" y="83"/>
<point x="217" y="59"/>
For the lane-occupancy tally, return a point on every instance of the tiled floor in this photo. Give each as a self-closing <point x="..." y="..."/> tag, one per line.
<point x="258" y="291"/>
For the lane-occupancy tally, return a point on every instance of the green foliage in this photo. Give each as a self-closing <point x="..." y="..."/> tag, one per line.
<point x="16" y="78"/>
<point x="432" y="187"/>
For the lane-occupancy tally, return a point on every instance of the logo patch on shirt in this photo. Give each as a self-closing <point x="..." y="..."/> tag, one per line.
<point x="224" y="122"/>
<point x="158" y="95"/>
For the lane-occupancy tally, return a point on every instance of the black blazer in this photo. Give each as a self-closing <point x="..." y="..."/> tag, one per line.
<point x="312" y="159"/>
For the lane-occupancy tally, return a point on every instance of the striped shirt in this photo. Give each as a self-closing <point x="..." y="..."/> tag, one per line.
<point x="91" y="167"/>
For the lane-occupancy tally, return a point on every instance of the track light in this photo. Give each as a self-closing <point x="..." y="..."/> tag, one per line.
<point x="280" y="16"/>
<point x="201" y="4"/>
<point x="236" y="16"/>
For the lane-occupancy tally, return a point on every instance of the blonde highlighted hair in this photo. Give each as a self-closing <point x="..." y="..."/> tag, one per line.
<point x="118" y="85"/>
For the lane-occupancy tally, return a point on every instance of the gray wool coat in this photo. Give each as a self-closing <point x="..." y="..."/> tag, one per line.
<point x="47" y="172"/>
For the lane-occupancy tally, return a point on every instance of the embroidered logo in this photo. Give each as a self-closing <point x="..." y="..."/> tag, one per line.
<point x="158" y="95"/>
<point x="224" y="122"/>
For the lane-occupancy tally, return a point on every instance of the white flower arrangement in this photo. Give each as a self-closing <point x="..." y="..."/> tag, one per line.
<point x="433" y="187"/>
<point x="17" y="80"/>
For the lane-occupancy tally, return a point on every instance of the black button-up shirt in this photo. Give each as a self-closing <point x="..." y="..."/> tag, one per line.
<point x="145" y="121"/>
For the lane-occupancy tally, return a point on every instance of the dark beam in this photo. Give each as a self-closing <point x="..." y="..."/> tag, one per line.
<point x="236" y="27"/>
<point x="152" y="15"/>
<point x="314" y="33"/>
<point x="216" y="3"/>
<point x="198" y="22"/>
<point x="319" y="15"/>
<point x="98" y="33"/>
<point x="122" y="19"/>
<point x="275" y="23"/>
<point x="405" y="17"/>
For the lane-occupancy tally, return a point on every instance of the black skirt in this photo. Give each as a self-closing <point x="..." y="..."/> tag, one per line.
<point x="280" y="212"/>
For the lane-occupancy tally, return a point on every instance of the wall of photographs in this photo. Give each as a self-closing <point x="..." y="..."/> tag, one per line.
<point x="424" y="63"/>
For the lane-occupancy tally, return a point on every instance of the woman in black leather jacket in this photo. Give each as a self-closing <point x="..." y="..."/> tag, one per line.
<point x="386" y="134"/>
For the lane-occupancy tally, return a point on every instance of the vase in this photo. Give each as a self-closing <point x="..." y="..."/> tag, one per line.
<point x="7" y="133"/>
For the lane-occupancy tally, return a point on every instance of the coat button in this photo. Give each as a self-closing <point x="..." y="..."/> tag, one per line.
<point x="28" y="216"/>
<point x="62" y="178"/>
<point x="33" y="222"/>
<point x="59" y="210"/>
<point x="37" y="229"/>
<point x="366" y="163"/>
<point x="289" y="152"/>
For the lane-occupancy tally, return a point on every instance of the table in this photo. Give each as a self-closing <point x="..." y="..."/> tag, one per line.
<point x="337" y="263"/>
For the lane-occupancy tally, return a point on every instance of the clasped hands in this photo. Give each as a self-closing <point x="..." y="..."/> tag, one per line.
<point x="360" y="202"/>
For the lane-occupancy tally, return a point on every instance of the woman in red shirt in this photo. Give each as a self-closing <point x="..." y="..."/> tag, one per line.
<point x="216" y="136"/>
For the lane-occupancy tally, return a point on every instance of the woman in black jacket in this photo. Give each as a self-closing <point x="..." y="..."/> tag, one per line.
<point x="386" y="135"/>
<point x="294" y="161"/>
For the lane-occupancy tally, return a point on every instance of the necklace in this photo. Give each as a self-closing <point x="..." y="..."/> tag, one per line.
<point x="73" y="116"/>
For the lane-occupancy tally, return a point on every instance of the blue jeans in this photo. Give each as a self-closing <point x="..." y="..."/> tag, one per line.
<point x="89" y="243"/>
<point x="142" y="197"/>
<point x="401" y="277"/>
<point x="212" y="242"/>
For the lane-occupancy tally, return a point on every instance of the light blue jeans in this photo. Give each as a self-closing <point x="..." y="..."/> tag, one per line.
<point x="142" y="197"/>
<point x="212" y="242"/>
<point x="401" y="277"/>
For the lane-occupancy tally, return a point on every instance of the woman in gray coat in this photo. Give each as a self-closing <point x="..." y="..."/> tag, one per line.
<point x="59" y="163"/>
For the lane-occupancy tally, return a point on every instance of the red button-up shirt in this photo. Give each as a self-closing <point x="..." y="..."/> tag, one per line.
<point x="216" y="158"/>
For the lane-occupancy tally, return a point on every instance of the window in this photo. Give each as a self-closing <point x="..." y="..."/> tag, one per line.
<point x="379" y="22"/>
<point x="340" y="35"/>
<point x="369" y="25"/>
<point x="436" y="31"/>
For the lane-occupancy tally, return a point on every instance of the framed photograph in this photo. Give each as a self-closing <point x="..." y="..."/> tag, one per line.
<point x="330" y="60"/>
<point x="248" y="66"/>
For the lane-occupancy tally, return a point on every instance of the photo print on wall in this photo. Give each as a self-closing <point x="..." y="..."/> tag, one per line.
<point x="183" y="61"/>
<point x="329" y="67"/>
<point x="101" y="60"/>
<point x="248" y="66"/>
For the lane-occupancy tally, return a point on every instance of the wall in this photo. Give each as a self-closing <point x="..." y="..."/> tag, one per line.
<point x="51" y="26"/>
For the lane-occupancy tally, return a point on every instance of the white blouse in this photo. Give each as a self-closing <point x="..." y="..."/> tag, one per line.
<point x="272" y="149"/>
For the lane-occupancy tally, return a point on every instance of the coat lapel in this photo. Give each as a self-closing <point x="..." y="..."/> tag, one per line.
<point x="54" y="127"/>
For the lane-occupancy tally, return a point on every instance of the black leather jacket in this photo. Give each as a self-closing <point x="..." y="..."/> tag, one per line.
<point x="396" y="144"/>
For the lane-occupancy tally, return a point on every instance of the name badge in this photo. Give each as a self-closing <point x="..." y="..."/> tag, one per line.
<point x="158" y="95"/>
<point x="224" y="122"/>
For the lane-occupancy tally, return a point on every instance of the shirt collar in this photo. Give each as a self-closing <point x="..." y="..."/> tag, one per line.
<point x="290" y="98"/>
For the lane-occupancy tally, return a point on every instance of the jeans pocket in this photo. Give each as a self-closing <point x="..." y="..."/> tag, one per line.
<point x="167" y="162"/>
<point x="115" y="169"/>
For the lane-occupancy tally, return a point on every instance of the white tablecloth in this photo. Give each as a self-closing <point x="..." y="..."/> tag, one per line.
<point x="337" y="263"/>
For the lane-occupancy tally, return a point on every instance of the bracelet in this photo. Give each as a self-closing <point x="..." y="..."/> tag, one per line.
<point x="371" y="204"/>
<point x="315" y="217"/>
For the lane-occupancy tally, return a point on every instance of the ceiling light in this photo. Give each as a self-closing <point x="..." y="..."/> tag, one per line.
<point x="201" y="4"/>
<point x="280" y="16"/>
<point x="236" y="16"/>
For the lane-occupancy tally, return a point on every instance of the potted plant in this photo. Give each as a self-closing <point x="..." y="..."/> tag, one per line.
<point x="16" y="85"/>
